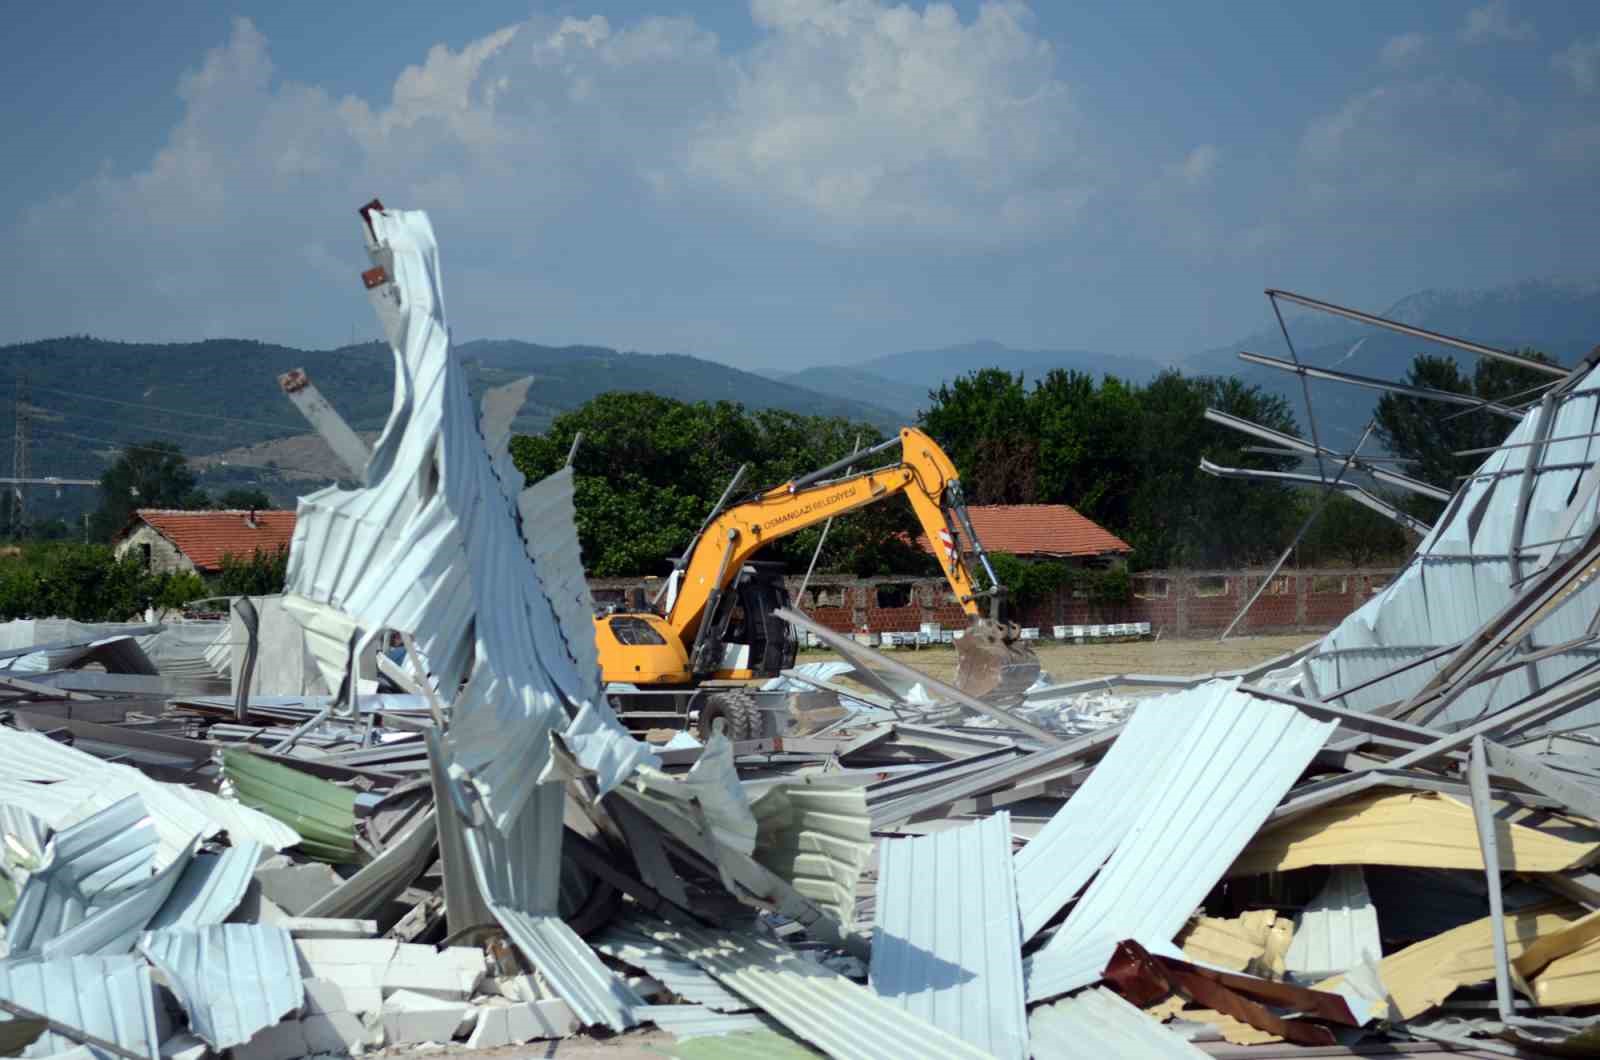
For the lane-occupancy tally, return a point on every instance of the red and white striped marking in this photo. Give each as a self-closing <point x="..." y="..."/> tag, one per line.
<point x="949" y="545"/>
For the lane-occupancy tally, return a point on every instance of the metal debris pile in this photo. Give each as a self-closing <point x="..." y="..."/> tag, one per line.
<point x="393" y="806"/>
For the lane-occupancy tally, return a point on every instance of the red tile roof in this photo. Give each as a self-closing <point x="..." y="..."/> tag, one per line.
<point x="205" y="537"/>
<point x="1039" y="530"/>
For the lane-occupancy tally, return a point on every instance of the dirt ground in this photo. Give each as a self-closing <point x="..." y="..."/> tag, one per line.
<point x="1073" y="662"/>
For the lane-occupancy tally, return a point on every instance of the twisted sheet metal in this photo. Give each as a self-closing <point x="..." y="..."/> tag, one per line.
<point x="180" y="812"/>
<point x="211" y="887"/>
<point x="1099" y="1023"/>
<point x="625" y="942"/>
<point x="947" y="943"/>
<point x="88" y="867"/>
<point x="814" y="1003"/>
<point x="232" y="979"/>
<point x="108" y="997"/>
<point x="1218" y="784"/>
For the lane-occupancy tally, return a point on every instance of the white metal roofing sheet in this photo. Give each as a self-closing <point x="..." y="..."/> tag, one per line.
<point x="626" y="943"/>
<point x="109" y="997"/>
<point x="947" y="942"/>
<point x="815" y="1003"/>
<point x="1238" y="760"/>
<point x="211" y="887"/>
<point x="180" y="812"/>
<point x="1337" y="930"/>
<point x="232" y="979"/>
<point x="1099" y="1023"/>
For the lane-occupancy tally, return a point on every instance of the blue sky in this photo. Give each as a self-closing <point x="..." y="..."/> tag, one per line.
<point x="786" y="182"/>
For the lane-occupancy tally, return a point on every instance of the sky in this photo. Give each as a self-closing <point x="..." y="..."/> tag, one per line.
<point x="782" y="183"/>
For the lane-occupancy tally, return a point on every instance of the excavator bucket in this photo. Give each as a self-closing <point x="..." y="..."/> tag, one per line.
<point x="992" y="664"/>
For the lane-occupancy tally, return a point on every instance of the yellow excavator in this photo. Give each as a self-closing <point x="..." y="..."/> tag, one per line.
<point x="712" y="626"/>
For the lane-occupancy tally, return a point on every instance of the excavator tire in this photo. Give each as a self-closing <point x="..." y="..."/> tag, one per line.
<point x="993" y="665"/>
<point x="738" y="712"/>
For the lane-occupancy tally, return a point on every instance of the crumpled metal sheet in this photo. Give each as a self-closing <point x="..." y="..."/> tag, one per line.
<point x="1216" y="788"/>
<point x="180" y="812"/>
<point x="813" y="1002"/>
<point x="114" y="927"/>
<point x="232" y="979"/>
<point x="320" y="811"/>
<point x="947" y="943"/>
<point x="118" y="654"/>
<point x="625" y="942"/>
<point x="86" y="867"/>
<point x="594" y="992"/>
<point x="1099" y="1023"/>
<point x="385" y="876"/>
<point x="432" y="546"/>
<point x="211" y="887"/>
<point x="108" y="997"/>
<point x="1338" y="930"/>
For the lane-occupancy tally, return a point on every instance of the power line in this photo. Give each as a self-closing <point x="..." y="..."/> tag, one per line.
<point x="282" y="467"/>
<point x="162" y="408"/>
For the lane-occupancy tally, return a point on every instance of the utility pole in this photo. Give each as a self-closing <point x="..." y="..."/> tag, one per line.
<point x="19" y="455"/>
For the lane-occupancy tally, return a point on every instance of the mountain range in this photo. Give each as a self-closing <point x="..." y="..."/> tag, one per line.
<point x="86" y="397"/>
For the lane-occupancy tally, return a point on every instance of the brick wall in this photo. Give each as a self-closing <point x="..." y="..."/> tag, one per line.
<point x="1175" y="603"/>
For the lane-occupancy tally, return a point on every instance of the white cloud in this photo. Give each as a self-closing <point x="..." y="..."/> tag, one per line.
<point x="1402" y="49"/>
<point x="1426" y="144"/>
<point x="1493" y="21"/>
<point x="1581" y="62"/>
<point x="861" y="117"/>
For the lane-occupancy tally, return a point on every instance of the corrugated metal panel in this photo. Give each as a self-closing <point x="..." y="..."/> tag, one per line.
<point x="697" y="1021"/>
<point x="432" y="545"/>
<point x="1419" y="829"/>
<point x="180" y="812"/>
<point x="757" y="1045"/>
<point x="320" y="811"/>
<point x="947" y="942"/>
<point x="119" y="655"/>
<point x="384" y="877"/>
<point x="465" y="909"/>
<point x="681" y="976"/>
<point x="1099" y="1023"/>
<point x="815" y="1003"/>
<point x="210" y="888"/>
<point x="89" y="866"/>
<point x="1058" y="861"/>
<point x="1237" y="762"/>
<point x="232" y="979"/>
<point x="817" y="838"/>
<point x="114" y="926"/>
<point x="595" y="994"/>
<point x="108" y="997"/>
<point x="1338" y="930"/>
<point x="1461" y="574"/>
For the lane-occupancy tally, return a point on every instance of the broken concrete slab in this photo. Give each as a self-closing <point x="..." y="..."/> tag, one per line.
<point x="410" y="1018"/>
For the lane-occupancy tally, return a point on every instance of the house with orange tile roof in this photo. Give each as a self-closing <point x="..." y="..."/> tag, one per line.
<point x="1043" y="531"/>
<point x="169" y="540"/>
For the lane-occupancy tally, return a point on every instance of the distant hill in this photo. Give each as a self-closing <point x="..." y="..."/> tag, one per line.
<point x="220" y="398"/>
<point x="1562" y="320"/>
<point x="926" y="369"/>
<point x="902" y="398"/>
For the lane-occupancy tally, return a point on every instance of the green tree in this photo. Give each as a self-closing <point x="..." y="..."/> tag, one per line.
<point x="243" y="499"/>
<point x="1088" y="444"/>
<point x="261" y="574"/>
<point x="985" y="422"/>
<point x="1180" y="515"/>
<point x="650" y="469"/>
<point x="147" y="475"/>
<point x="1348" y="533"/>
<point x="1427" y="434"/>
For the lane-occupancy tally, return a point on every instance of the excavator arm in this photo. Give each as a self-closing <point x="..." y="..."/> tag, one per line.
<point x="924" y="474"/>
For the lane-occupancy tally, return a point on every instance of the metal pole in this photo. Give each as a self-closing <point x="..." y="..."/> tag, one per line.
<point x="252" y="623"/>
<point x="1483" y="815"/>
<point x="854" y="450"/>
<point x="1418" y="333"/>
<point x="1327" y="495"/>
<point x="1305" y="386"/>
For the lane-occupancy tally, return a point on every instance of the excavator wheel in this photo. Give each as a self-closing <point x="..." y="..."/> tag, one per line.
<point x="739" y="714"/>
<point x="992" y="664"/>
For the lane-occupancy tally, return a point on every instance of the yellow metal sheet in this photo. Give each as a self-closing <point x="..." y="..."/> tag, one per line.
<point x="1256" y="939"/>
<point x="1422" y="975"/>
<point x="1417" y="829"/>
<point x="1233" y="1031"/>
<point x="1571" y="979"/>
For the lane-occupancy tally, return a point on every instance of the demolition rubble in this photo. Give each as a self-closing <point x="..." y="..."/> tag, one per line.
<point x="394" y="807"/>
